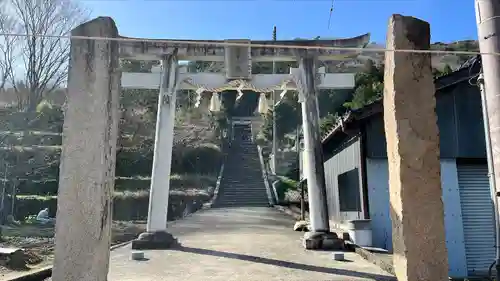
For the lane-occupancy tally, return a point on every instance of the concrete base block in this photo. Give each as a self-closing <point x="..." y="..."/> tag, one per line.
<point x="322" y="241"/>
<point x="338" y="256"/>
<point x="156" y="240"/>
<point x="137" y="255"/>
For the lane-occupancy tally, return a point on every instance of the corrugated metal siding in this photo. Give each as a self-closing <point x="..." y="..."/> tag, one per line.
<point x="460" y="122"/>
<point x="348" y="158"/>
<point x="378" y="195"/>
<point x="478" y="218"/>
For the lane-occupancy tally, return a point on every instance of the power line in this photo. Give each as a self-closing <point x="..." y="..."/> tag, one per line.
<point x="252" y="45"/>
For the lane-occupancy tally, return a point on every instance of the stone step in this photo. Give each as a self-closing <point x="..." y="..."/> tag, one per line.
<point x="240" y="177"/>
<point x="247" y="174"/>
<point x="236" y="168"/>
<point x="243" y="192"/>
<point x="243" y="180"/>
<point x="241" y="204"/>
<point x="243" y="189"/>
<point x="260" y="193"/>
<point x="239" y="184"/>
<point x="233" y="202"/>
<point x="246" y="199"/>
<point x="251" y="176"/>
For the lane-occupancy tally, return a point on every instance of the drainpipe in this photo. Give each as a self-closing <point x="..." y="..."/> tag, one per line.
<point x="491" y="171"/>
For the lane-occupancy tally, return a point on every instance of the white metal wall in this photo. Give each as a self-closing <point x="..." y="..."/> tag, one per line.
<point x="345" y="160"/>
<point x="477" y="217"/>
<point x="378" y="197"/>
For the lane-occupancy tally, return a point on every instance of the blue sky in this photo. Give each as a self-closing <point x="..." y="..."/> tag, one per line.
<point x="254" y="19"/>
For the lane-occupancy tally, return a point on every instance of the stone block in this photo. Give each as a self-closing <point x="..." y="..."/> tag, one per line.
<point x="322" y="241"/>
<point x="155" y="240"/>
<point x="301" y="226"/>
<point x="412" y="138"/>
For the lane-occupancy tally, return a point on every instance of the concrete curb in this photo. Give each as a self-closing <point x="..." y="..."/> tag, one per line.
<point x="209" y="204"/>
<point x="371" y="257"/>
<point x="46" y="271"/>
<point x="272" y="198"/>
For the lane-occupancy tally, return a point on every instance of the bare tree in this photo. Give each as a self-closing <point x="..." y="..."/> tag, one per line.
<point x="7" y="45"/>
<point x="42" y="54"/>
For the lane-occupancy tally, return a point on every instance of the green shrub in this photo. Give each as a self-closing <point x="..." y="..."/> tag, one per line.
<point x="285" y="184"/>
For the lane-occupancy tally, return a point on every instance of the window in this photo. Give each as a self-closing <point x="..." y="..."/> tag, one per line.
<point x="348" y="185"/>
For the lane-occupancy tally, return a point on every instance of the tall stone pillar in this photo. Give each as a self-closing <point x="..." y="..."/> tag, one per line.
<point x="413" y="153"/>
<point x="156" y="236"/>
<point x="319" y="236"/>
<point x="87" y="171"/>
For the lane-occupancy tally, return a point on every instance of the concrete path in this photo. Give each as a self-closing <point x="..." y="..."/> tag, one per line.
<point x="240" y="244"/>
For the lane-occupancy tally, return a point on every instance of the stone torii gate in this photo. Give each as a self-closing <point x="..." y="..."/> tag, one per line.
<point x="91" y="129"/>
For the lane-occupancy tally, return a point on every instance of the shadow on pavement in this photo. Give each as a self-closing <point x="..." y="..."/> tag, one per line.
<point x="291" y="265"/>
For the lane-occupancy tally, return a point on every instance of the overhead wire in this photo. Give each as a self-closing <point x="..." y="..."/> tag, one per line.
<point x="251" y="44"/>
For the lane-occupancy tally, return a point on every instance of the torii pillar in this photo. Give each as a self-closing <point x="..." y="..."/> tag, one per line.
<point x="156" y="235"/>
<point x="418" y="233"/>
<point x="319" y="236"/>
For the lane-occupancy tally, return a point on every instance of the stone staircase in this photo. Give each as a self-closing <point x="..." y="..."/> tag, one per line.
<point x="242" y="184"/>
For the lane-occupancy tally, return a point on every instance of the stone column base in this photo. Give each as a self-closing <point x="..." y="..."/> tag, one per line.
<point x="322" y="241"/>
<point x="154" y="240"/>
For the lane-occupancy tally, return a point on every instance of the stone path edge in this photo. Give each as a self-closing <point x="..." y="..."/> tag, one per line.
<point x="365" y="254"/>
<point x="46" y="271"/>
<point x="369" y="256"/>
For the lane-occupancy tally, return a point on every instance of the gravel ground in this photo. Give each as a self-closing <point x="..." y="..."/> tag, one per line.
<point x="39" y="250"/>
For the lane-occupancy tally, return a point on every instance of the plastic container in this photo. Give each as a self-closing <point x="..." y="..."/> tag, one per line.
<point x="360" y="232"/>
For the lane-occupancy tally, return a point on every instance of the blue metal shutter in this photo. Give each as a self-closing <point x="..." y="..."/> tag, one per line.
<point x="477" y="217"/>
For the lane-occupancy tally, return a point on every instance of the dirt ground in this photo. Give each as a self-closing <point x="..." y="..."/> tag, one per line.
<point x="38" y="243"/>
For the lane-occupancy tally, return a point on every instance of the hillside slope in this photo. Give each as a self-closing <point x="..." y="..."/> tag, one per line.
<point x="439" y="61"/>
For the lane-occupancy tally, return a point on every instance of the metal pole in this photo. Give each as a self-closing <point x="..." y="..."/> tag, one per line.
<point x="488" y="26"/>
<point x="275" y="131"/>
<point x="491" y="169"/>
